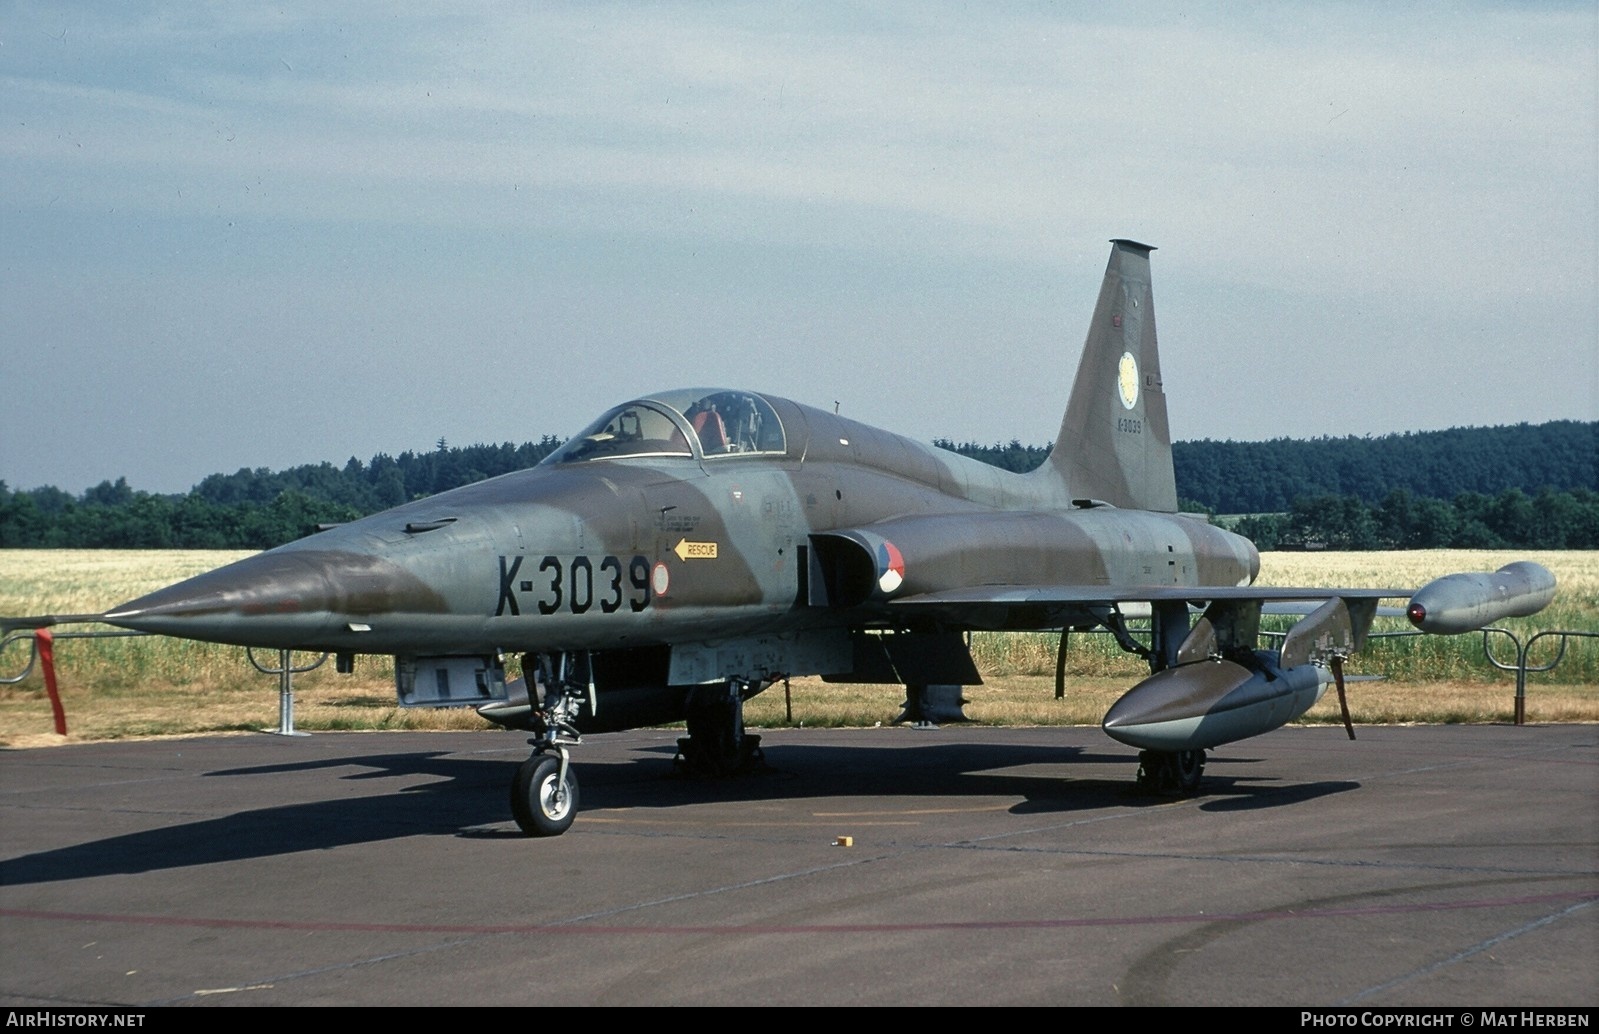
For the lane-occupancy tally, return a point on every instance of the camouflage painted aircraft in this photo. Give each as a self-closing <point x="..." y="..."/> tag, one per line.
<point x="689" y="548"/>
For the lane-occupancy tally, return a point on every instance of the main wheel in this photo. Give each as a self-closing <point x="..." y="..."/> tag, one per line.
<point x="1171" y="773"/>
<point x="717" y="745"/>
<point x="541" y="804"/>
<point x="1188" y="767"/>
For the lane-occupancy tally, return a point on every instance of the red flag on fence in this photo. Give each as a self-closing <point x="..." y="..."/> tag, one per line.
<point x="45" y="645"/>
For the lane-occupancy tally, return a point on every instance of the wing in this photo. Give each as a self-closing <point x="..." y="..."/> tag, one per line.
<point x="1211" y="682"/>
<point x="1445" y="606"/>
<point x="1016" y="606"/>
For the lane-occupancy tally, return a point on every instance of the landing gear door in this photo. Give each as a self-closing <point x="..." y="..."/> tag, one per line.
<point x="448" y="681"/>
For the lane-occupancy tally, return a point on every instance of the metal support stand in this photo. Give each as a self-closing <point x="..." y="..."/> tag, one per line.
<point x="1521" y="667"/>
<point x="1060" y="664"/>
<point x="285" y="671"/>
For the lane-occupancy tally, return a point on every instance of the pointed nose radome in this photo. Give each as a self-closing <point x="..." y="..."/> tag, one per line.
<point x="288" y="598"/>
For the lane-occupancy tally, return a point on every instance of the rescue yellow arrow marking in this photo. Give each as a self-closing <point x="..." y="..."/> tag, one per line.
<point x="687" y="550"/>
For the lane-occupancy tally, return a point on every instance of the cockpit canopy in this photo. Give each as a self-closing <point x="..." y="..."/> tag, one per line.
<point x="708" y="422"/>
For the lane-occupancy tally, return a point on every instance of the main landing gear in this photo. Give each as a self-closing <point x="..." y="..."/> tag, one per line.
<point x="717" y="745"/>
<point x="1171" y="773"/>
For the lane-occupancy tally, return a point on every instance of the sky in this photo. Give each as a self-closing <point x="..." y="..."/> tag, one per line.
<point x="258" y="235"/>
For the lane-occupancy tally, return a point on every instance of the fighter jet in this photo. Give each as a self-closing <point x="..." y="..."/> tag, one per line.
<point x="690" y="548"/>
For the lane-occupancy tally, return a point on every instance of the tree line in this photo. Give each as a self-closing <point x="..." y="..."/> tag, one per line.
<point x="1528" y="486"/>
<point x="1266" y="477"/>
<point x="249" y="509"/>
<point x="1512" y="519"/>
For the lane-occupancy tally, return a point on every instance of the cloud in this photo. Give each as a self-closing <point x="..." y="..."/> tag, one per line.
<point x="1347" y="172"/>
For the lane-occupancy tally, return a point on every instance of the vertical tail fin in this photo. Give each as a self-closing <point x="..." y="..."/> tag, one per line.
<point x="1114" y="444"/>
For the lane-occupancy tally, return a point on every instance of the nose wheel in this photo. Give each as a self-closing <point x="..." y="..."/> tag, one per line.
<point x="544" y="795"/>
<point x="544" y="791"/>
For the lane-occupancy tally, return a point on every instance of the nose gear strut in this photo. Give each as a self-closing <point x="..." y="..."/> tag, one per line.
<point x="544" y="790"/>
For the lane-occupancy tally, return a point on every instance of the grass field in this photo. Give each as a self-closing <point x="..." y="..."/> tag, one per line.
<point x="144" y="686"/>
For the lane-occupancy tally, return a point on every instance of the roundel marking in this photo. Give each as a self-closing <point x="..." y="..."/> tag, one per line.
<point x="1127" y="380"/>
<point x="890" y="567"/>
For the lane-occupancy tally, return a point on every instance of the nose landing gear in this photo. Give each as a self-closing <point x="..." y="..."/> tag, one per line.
<point x="544" y="795"/>
<point x="544" y="790"/>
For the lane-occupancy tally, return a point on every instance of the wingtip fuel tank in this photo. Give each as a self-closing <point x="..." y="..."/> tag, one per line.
<point x="1467" y="602"/>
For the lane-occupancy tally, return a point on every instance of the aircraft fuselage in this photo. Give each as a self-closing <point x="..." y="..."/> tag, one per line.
<point x="622" y="552"/>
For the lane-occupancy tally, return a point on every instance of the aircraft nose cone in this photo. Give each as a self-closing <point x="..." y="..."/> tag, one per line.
<point x="288" y="598"/>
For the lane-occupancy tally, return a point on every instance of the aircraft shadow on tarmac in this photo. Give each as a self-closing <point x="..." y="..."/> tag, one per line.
<point x="465" y="796"/>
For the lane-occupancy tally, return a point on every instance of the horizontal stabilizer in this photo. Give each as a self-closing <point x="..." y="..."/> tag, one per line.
<point x="1338" y="627"/>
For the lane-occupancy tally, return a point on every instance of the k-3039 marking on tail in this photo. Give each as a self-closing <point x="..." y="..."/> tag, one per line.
<point x="689" y="548"/>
